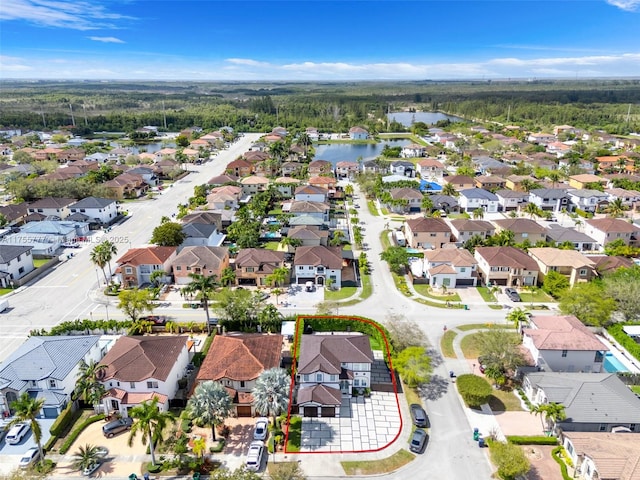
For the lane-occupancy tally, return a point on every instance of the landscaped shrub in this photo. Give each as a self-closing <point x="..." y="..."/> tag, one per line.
<point x="66" y="418"/>
<point x="556" y="453"/>
<point x="151" y="468"/>
<point x="64" y="448"/>
<point x="475" y="390"/>
<point x="532" y="440"/>
<point x="623" y="339"/>
<point x="525" y="399"/>
<point x="509" y="459"/>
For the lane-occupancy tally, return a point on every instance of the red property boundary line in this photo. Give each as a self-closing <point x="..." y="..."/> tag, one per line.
<point x="299" y="322"/>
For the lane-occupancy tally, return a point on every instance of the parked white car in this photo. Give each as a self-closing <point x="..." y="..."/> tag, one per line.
<point x="254" y="455"/>
<point x="17" y="433"/>
<point x="262" y="429"/>
<point x="29" y="457"/>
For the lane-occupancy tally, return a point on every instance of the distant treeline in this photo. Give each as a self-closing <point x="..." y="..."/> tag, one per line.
<point x="125" y="106"/>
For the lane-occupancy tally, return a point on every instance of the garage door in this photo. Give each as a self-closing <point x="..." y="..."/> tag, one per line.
<point x="328" y="412"/>
<point x="244" y="411"/>
<point x="50" y="412"/>
<point x="310" y="411"/>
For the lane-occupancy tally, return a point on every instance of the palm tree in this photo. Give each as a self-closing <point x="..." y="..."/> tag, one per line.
<point x="532" y="209"/>
<point x="550" y="413"/>
<point x="279" y="276"/>
<point x="277" y="292"/>
<point x="209" y="405"/>
<point x="478" y="214"/>
<point x="518" y="316"/>
<point x="88" y="385"/>
<point x="504" y="238"/>
<point x="616" y="208"/>
<point x="449" y="189"/>
<point x="27" y="410"/>
<point x="337" y="238"/>
<point x="305" y="141"/>
<point x="97" y="258"/>
<point x="554" y="176"/>
<point x="426" y="204"/>
<point x="227" y="277"/>
<point x="348" y="190"/>
<point x="204" y="286"/>
<point x="528" y="185"/>
<point x="150" y="421"/>
<point x="85" y="456"/>
<point x="102" y="254"/>
<point x="271" y="393"/>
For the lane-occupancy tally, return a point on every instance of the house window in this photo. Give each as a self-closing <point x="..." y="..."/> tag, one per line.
<point x="52" y="383"/>
<point x="583" y="272"/>
<point x="178" y="268"/>
<point x="356" y="382"/>
<point x="318" y="377"/>
<point x="305" y="378"/>
<point x="132" y="385"/>
<point x="21" y="270"/>
<point x="564" y="353"/>
<point x="433" y="234"/>
<point x="249" y="270"/>
<point x="333" y="378"/>
<point x="463" y="269"/>
<point x="152" y="384"/>
<point x="603" y="427"/>
<point x="241" y="383"/>
<point x="128" y="270"/>
<point x="34" y="383"/>
<point x="599" y="358"/>
<point x="188" y="268"/>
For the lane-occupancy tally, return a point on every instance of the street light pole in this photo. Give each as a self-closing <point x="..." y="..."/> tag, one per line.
<point x="106" y="307"/>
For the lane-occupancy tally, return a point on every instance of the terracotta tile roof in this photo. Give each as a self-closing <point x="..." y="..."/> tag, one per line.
<point x="241" y="357"/>
<point x="615" y="225"/>
<point x="615" y="455"/>
<point x="254" y="180"/>
<point x="304" y="206"/>
<point x="222" y="179"/>
<point x="442" y="269"/>
<point x="146" y="256"/>
<point x="286" y="180"/>
<point x="459" y="179"/>
<point x="311" y="190"/>
<point x="468" y="225"/>
<point x="507" y="257"/>
<point x="257" y="257"/>
<point x="135" y="398"/>
<point x="428" y="225"/>
<point x="51" y="202"/>
<point x="322" y="180"/>
<point x="604" y="263"/>
<point x="208" y="258"/>
<point x="307" y="232"/>
<point x="562" y="333"/>
<point x="133" y="359"/>
<point x="430" y="162"/>
<point x="405" y="193"/>
<point x="326" y="352"/>
<point x="329" y="257"/>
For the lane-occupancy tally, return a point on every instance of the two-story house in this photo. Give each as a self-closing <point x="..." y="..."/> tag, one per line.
<point x="100" y="211"/>
<point x="54" y="208"/>
<point x="347" y="169"/>
<point x="450" y="267"/>
<point x="254" y="265"/>
<point x="490" y="182"/>
<point x="46" y="368"/>
<point x="329" y="367"/>
<point x="629" y="198"/>
<point x="524" y="229"/>
<point x="587" y="200"/>
<point x="405" y="200"/>
<point x="309" y="235"/>
<point x="403" y="168"/>
<point x="318" y="210"/>
<point x="563" y="344"/>
<point x="358" y="133"/>
<point x="585" y="179"/>
<point x="508" y="266"/>
<point x="238" y="362"/>
<point x="318" y="264"/>
<point x="463" y="229"/>
<point x="254" y="184"/>
<point x="598" y="455"/>
<point x="430" y="169"/>
<point x="202" y="234"/>
<point x="427" y="233"/>
<point x="413" y="150"/>
<point x="607" y="230"/>
<point x="224" y="197"/>
<point x="460" y="182"/>
<point x="310" y="193"/>
<point x="200" y="260"/>
<point x="16" y="261"/>
<point x="475" y="198"/>
<point x="580" y="241"/>
<point x="572" y="264"/>
<point x="320" y="167"/>
<point x="138" y="369"/>
<point x="135" y="267"/>
<point x="510" y="200"/>
<point x="554" y="199"/>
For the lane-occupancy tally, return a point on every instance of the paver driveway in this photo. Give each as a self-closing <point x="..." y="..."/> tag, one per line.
<point x="364" y="424"/>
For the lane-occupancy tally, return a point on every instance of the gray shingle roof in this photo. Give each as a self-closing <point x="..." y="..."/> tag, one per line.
<point x="479" y="193"/>
<point x="93" y="202"/>
<point x="9" y="252"/>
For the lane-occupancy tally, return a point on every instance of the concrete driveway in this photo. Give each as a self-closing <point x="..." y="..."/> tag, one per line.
<point x="298" y="297"/>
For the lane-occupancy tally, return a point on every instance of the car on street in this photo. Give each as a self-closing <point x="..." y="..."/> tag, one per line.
<point x="261" y="429"/>
<point x="29" y="457"/>
<point x="71" y="245"/>
<point x="17" y="433"/>
<point x="117" y="426"/>
<point x="91" y="468"/>
<point x="418" y="441"/>
<point x="254" y="456"/>
<point x="512" y="294"/>
<point x="418" y="415"/>
<point x="156" y="319"/>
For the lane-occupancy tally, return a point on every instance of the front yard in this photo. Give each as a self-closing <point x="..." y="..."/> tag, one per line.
<point x="377" y="467"/>
<point x="535" y="296"/>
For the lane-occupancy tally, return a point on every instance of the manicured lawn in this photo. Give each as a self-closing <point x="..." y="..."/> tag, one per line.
<point x="486" y="295"/>
<point x="503" y="401"/>
<point x="272" y="246"/>
<point x="535" y="296"/>
<point x="446" y="344"/>
<point x="635" y="389"/>
<point x="426" y="291"/>
<point x="454" y="216"/>
<point x="401" y="284"/>
<point x="373" y="210"/>
<point x="4" y="291"/>
<point x="376" y="467"/>
<point x="384" y="239"/>
<point x="294" y="434"/>
<point x="437" y="304"/>
<point x="367" y="290"/>
<point x="38" y="262"/>
<point x="344" y="292"/>
<point x="477" y="326"/>
<point x="411" y="395"/>
<point x="469" y="345"/>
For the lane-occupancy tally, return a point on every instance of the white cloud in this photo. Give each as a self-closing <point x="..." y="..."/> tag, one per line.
<point x="77" y="15"/>
<point x="247" y="61"/>
<point x="627" y="5"/>
<point x="106" y="39"/>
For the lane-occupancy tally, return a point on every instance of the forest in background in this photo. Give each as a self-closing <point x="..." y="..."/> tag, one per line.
<point x="610" y="105"/>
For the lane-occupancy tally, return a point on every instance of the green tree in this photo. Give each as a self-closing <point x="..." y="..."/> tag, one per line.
<point x="156" y="277"/>
<point x="616" y="208"/>
<point x="499" y="350"/>
<point x="271" y="392"/>
<point x="209" y="405"/>
<point x="550" y="414"/>
<point x="168" y="234"/>
<point x="27" y="410"/>
<point x="450" y="190"/>
<point x="555" y="284"/>
<point x="397" y="258"/>
<point x="101" y="256"/>
<point x="150" y="421"/>
<point x="532" y="210"/>
<point x="589" y="303"/>
<point x="414" y="366"/>
<point x="474" y="390"/>
<point x="278" y="277"/>
<point x="204" y="287"/>
<point x="134" y="302"/>
<point x="88" y="385"/>
<point x="518" y="316"/>
<point x="478" y="214"/>
<point x="337" y="238"/>
<point x="426" y="204"/>
<point x="286" y="471"/>
<point x="227" y="276"/>
<point x="509" y="459"/>
<point x="235" y="306"/>
<point x="85" y="456"/>
<point x="624" y="287"/>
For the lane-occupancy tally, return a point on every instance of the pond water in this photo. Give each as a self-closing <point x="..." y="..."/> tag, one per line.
<point x="348" y="152"/>
<point x="430" y="118"/>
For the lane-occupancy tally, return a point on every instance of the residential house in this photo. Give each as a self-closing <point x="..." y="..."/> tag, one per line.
<point x="610" y="263"/>
<point x="607" y="230"/>
<point x="329" y="367"/>
<point x="200" y="260"/>
<point x="413" y="150"/>
<point x="141" y="368"/>
<point x="347" y="170"/>
<point x="486" y="165"/>
<point x="603" y="455"/>
<point x="588" y="200"/>
<point x="593" y="402"/>
<point x="490" y="182"/>
<point x="206" y="217"/>
<point x="309" y="235"/>
<point x="405" y="200"/>
<point x="309" y="193"/>
<point x="563" y="344"/>
<point x="447" y="203"/>
<point x="290" y="168"/>
<point x="567" y="129"/>
<point x="514" y="182"/>
<point x="318" y="264"/>
<point x="553" y="199"/>
<point x="475" y="198"/>
<point x="629" y="198"/>
<point x="375" y="166"/>
<point x="403" y="168"/>
<point x="510" y="200"/>
<point x="221" y="180"/>
<point x="135" y="267"/>
<point x="238" y="362"/>
<point x="286" y="186"/>
<point x="99" y="157"/>
<point x="450" y="267"/>
<point x="53" y="208"/>
<point x="559" y="149"/>
<point x="126" y="185"/>
<point x="320" y="167"/>
<point x="16" y="261"/>
<point x="323" y="182"/>
<point x="313" y="133"/>
<point x="430" y="169"/>
<point x="100" y="211"/>
<point x="580" y="241"/>
<point x="44" y="237"/>
<point x="585" y="179"/>
<point x="14" y="213"/>
<point x="615" y="163"/>
<point x="463" y="229"/>
<point x="358" y="133"/>
<point x="225" y="197"/>
<point x="541" y="138"/>
<point x="319" y="210"/>
<point x="427" y="233"/>
<point x="254" y="265"/>
<point x="240" y="168"/>
<point x="203" y="234"/>
<point x="254" y="184"/>
<point x="508" y="266"/>
<point x="148" y="174"/>
<point x="524" y="229"/>
<point x="572" y="264"/>
<point x="460" y="182"/>
<point x="46" y="368"/>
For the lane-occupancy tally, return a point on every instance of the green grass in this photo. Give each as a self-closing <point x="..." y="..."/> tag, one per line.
<point x="271" y="246"/>
<point x="454" y="216"/>
<point x="503" y="401"/>
<point x="294" y="434"/>
<point x="409" y="136"/>
<point x="486" y="295"/>
<point x="343" y="293"/>
<point x="536" y="296"/>
<point x="411" y="394"/>
<point x="424" y="301"/>
<point x="38" y="262"/>
<point x="401" y="284"/>
<point x="4" y="291"/>
<point x="367" y="289"/>
<point x="373" y="210"/>
<point x="385" y="211"/>
<point x="477" y="326"/>
<point x="375" y="344"/>
<point x="384" y="239"/>
<point x="426" y="291"/>
<point x="376" y="467"/>
<point x="446" y="344"/>
<point x="635" y="389"/>
<point x="469" y="346"/>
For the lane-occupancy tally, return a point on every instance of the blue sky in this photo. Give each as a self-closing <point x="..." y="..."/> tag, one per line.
<point x="318" y="40"/>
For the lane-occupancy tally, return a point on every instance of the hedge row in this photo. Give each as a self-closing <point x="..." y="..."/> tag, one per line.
<point x="556" y="453"/>
<point x="474" y="390"/>
<point x="625" y="340"/>
<point x="532" y="440"/>
<point x="66" y="445"/>
<point x="63" y="421"/>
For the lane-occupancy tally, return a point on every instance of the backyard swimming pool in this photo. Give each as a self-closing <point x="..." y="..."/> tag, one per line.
<point x="613" y="365"/>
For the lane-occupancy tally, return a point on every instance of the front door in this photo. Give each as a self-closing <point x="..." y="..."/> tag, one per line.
<point x="344" y="387"/>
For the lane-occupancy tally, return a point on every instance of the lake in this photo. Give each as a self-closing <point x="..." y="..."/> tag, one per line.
<point x="430" y="118"/>
<point x="348" y="152"/>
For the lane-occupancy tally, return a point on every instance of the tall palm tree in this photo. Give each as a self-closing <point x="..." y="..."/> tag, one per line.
<point x="278" y="277"/>
<point x="550" y="413"/>
<point x="478" y="214"/>
<point x="348" y="190"/>
<point x="304" y="140"/>
<point x="532" y="209"/>
<point x="109" y="250"/>
<point x="616" y="208"/>
<point x="85" y="456"/>
<point x="450" y="190"/>
<point x="336" y="239"/>
<point x="518" y="316"/>
<point x="97" y="258"/>
<point x="227" y="277"/>
<point x="88" y="385"/>
<point x="204" y="286"/>
<point x="27" y="410"/>
<point x="150" y="421"/>
<point x="271" y="392"/>
<point x="209" y="405"/>
<point x="426" y="204"/>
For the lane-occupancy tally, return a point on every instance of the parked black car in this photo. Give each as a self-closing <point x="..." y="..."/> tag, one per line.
<point x="512" y="294"/>
<point x="418" y="415"/>
<point x="418" y="441"/>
